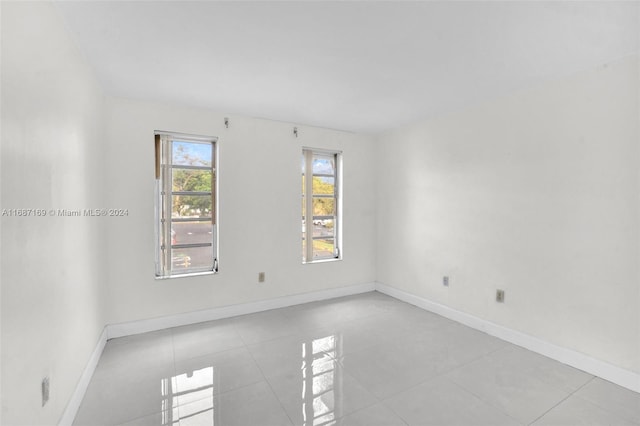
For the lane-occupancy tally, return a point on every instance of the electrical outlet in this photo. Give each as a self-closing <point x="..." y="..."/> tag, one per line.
<point x="45" y="390"/>
<point x="445" y="281"/>
<point x="500" y="296"/>
<point x="260" y="277"/>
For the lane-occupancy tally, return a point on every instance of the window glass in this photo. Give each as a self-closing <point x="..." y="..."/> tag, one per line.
<point x="185" y="205"/>
<point x="320" y="206"/>
<point x="191" y="153"/>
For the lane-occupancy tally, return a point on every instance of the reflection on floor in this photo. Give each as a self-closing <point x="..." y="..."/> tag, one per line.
<point x="360" y="360"/>
<point x="321" y="381"/>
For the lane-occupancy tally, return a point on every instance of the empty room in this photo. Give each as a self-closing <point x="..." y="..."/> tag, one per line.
<point x="320" y="213"/>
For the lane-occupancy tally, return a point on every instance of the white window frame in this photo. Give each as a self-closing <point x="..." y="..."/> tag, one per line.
<point x="308" y="217"/>
<point x="163" y="205"/>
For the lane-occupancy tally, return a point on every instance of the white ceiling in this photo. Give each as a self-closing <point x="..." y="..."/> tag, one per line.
<point x="358" y="66"/>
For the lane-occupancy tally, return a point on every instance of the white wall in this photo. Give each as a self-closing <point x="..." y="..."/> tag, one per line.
<point x="52" y="270"/>
<point x="536" y="194"/>
<point x="259" y="201"/>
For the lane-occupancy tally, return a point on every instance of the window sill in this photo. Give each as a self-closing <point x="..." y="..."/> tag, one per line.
<point x="192" y="274"/>
<point x="336" y="259"/>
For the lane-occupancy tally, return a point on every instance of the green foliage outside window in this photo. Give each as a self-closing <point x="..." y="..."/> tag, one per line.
<point x="191" y="180"/>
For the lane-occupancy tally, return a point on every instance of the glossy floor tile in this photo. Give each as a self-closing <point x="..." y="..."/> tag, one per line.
<point x="374" y="415"/>
<point x="512" y="386"/>
<point x="614" y="398"/>
<point x="577" y="411"/>
<point x="359" y="360"/>
<point x="442" y="402"/>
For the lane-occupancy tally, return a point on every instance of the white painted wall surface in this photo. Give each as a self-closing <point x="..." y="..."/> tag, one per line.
<point x="536" y="194"/>
<point x="259" y="211"/>
<point x="52" y="269"/>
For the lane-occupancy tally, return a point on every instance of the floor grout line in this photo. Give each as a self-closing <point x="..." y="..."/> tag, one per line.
<point x="264" y="377"/>
<point x="562" y="400"/>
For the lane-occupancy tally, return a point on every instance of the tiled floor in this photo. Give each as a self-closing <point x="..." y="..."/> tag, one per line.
<point x="359" y="360"/>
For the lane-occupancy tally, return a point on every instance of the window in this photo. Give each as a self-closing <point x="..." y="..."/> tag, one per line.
<point x="320" y="205"/>
<point x="186" y="207"/>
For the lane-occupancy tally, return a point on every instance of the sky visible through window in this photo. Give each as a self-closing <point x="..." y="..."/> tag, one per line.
<point x="191" y="153"/>
<point x="323" y="166"/>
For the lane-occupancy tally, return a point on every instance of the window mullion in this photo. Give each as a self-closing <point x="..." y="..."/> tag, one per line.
<point x="214" y="208"/>
<point x="214" y="172"/>
<point x="308" y="182"/>
<point x="168" y="200"/>
<point x="337" y="214"/>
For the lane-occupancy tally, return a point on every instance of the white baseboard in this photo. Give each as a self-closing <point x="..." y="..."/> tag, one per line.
<point x="81" y="388"/>
<point x="161" y="323"/>
<point x="604" y="370"/>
